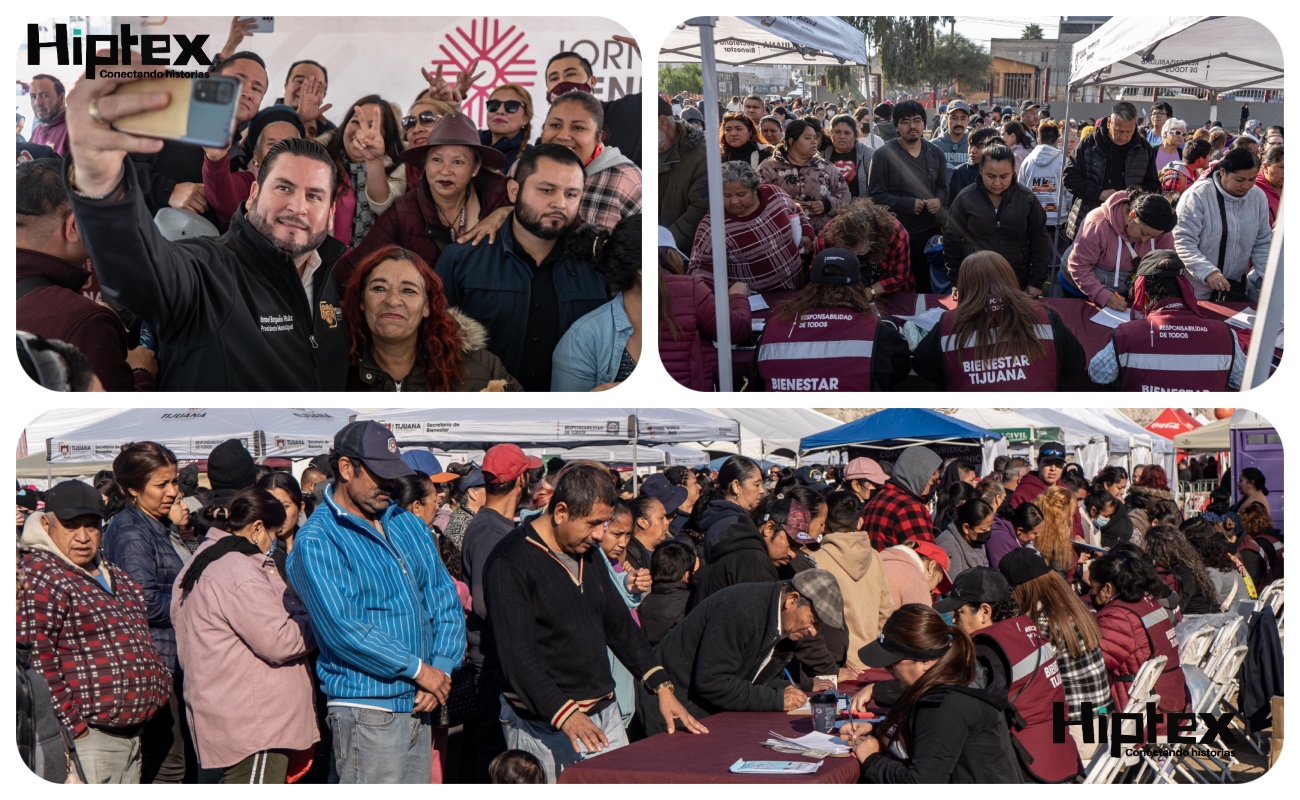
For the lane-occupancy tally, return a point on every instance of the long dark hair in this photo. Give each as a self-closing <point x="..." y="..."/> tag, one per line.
<point x="754" y="140"/>
<point x="1256" y="478"/>
<point x="863" y="221"/>
<point x="438" y="337"/>
<point x="248" y="506"/>
<point x="993" y="316"/>
<point x="286" y="483"/>
<point x="1070" y="626"/>
<point x="792" y="132"/>
<point x="920" y="627"/>
<point x="1168" y="548"/>
<point x="137" y="461"/>
<point x="615" y="253"/>
<point x="388" y="122"/>
<point x="1130" y="571"/>
<point x="735" y="468"/>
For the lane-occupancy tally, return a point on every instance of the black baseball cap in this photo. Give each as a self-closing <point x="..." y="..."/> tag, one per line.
<point x="373" y="445"/>
<point x="1160" y="264"/>
<point x="1022" y="565"/>
<point x="1028" y="104"/>
<point x="886" y="651"/>
<point x="813" y="477"/>
<point x="72" y="499"/>
<point x="975" y="585"/>
<point x="837" y="266"/>
<point x="670" y="495"/>
<point x="1051" y="451"/>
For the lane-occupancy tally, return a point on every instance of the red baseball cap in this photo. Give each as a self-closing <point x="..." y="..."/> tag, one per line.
<point x="936" y="554"/>
<point x="505" y="462"/>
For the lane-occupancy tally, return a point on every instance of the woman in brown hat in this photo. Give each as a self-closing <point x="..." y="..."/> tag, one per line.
<point x="460" y="185"/>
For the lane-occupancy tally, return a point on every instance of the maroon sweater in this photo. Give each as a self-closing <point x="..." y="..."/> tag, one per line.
<point x="61" y="311"/>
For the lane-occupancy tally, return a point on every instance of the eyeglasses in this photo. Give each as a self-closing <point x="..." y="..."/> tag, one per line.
<point x="511" y="105"/>
<point x="425" y="118"/>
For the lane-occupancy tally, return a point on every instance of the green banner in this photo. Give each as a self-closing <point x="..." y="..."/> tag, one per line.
<point x="1031" y="435"/>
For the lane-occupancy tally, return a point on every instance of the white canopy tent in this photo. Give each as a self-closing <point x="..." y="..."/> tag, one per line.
<point x="743" y="41"/>
<point x="1216" y="54"/>
<point x="1101" y="449"/>
<point x="777" y="430"/>
<point x="192" y="433"/>
<point x="1217" y="436"/>
<point x="621" y="454"/>
<point x="806" y="38"/>
<point x="1088" y="447"/>
<point x="680" y="455"/>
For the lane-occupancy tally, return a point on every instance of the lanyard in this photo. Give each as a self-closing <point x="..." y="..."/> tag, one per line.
<point x="1119" y="253"/>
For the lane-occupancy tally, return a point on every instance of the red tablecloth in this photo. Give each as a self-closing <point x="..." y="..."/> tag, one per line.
<point x="706" y="758"/>
<point x="1076" y="313"/>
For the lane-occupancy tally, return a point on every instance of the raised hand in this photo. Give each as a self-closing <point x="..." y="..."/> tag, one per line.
<point x="630" y="42"/>
<point x="466" y="79"/>
<point x="240" y="29"/>
<point x="309" y="100"/>
<point x="369" y="138"/>
<point x="97" y="150"/>
<point x="439" y="89"/>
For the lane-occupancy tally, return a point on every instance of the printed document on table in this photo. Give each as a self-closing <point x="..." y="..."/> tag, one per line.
<point x="1112" y="318"/>
<point x="757" y="303"/>
<point x="775" y="767"/>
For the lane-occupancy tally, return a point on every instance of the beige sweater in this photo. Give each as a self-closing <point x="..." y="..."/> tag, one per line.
<point x="867" y="600"/>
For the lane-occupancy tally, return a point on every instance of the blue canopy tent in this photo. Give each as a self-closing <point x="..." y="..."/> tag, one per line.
<point x="897" y="428"/>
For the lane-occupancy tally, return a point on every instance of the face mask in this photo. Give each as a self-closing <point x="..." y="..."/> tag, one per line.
<point x="984" y="537"/>
<point x="1103" y="522"/>
<point x="948" y="618"/>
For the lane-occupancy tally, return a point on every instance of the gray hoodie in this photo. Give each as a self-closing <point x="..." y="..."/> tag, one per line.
<point x="1200" y="227"/>
<point x="914" y="469"/>
<point x="1041" y="174"/>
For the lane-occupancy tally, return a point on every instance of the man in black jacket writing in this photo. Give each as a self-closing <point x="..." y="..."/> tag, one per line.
<point x="552" y="612"/>
<point x="731" y="652"/>
<point x="252" y="310"/>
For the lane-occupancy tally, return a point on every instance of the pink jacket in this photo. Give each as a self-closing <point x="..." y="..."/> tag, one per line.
<point x="243" y="641"/>
<point x="1098" y="246"/>
<point x="1273" y="195"/>
<point x="692" y="359"/>
<point x="905" y="574"/>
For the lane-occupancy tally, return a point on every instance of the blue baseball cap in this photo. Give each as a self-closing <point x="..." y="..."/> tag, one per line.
<point x="422" y="461"/>
<point x="373" y="445"/>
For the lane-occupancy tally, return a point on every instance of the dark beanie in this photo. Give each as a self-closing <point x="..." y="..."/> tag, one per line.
<point x="665" y="110"/>
<point x="1154" y="211"/>
<point x="231" y="467"/>
<point x="188" y="478"/>
<point x="277" y="113"/>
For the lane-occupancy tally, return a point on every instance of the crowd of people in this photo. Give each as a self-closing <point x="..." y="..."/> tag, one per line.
<point x="337" y="628"/>
<point x="1133" y="213"/>
<point x="401" y="249"/>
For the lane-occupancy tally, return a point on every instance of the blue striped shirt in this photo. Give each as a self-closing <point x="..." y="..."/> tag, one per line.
<point x="379" y="605"/>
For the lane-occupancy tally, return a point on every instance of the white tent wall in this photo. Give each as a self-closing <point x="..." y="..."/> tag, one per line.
<point x="462" y="428"/>
<point x="1091" y="449"/>
<point x="738" y="41"/>
<point x="777" y="428"/>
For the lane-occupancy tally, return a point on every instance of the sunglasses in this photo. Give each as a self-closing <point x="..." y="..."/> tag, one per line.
<point x="425" y="118"/>
<point x="511" y="105"/>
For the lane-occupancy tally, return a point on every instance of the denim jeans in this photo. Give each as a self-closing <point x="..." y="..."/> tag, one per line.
<point x="552" y="747"/>
<point x="376" y="746"/>
<point x="108" y="757"/>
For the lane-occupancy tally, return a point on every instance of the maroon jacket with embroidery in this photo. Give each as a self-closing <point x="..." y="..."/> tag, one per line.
<point x="92" y="645"/>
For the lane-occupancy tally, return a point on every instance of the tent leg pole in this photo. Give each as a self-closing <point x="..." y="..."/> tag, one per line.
<point x="1062" y="215"/>
<point x="713" y="160"/>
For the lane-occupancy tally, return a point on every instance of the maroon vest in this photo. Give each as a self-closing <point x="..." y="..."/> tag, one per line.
<point x="1173" y="350"/>
<point x="1034" y="686"/>
<point x="1163" y="640"/>
<point x="965" y="371"/>
<point x="824" y="350"/>
<point x="1272" y="555"/>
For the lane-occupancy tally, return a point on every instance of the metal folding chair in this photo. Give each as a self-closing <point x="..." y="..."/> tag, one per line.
<point x="1195" y="649"/>
<point x="1222" y="680"/>
<point x="1105" y="768"/>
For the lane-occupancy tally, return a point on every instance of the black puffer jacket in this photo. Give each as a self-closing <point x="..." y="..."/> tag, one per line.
<point x="141" y="546"/>
<point x="1016" y="230"/>
<point x="715" y="654"/>
<point x="484" y="372"/>
<point x="739" y="555"/>
<point x="1086" y="175"/>
<point x="716" y="517"/>
<point x="956" y="736"/>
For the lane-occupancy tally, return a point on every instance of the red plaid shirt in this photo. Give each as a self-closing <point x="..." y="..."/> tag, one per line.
<point x="896" y="271"/>
<point x="892" y="516"/>
<point x="761" y="250"/>
<point x="93" y="646"/>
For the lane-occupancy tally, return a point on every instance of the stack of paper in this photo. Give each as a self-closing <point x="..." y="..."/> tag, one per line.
<point x="813" y="745"/>
<point x="1112" y="318"/>
<point x="757" y="303"/>
<point x="775" y="767"/>
<point x="925" y="320"/>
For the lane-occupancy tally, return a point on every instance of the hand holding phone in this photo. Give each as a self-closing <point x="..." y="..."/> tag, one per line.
<point x="202" y="110"/>
<point x="97" y="150"/>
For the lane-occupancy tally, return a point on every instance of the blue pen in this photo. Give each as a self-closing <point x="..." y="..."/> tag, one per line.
<point x="788" y="678"/>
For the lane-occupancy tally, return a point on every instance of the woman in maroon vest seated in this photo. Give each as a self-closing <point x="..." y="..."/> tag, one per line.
<point x="940" y="730"/>
<point x="1173" y="348"/>
<point x="1015" y="662"/>
<point x="1008" y="340"/>
<point x="1135" y="627"/>
<point x="829" y="337"/>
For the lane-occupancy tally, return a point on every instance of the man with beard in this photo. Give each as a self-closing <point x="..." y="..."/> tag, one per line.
<point x="953" y="142"/>
<point x="526" y="288"/>
<point x="384" y="611"/>
<point x="909" y="176"/>
<point x="51" y="113"/>
<point x="252" y="310"/>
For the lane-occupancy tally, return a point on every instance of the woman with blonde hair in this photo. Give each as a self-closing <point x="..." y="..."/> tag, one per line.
<point x="1059" y="508"/>
<point x="998" y="339"/>
<point x="509" y="122"/>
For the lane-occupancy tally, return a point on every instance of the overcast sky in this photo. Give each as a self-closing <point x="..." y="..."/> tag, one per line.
<point x="981" y="29"/>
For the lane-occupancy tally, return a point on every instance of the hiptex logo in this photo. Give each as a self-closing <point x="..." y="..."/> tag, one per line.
<point x="155" y="48"/>
<point x="1121" y="729"/>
